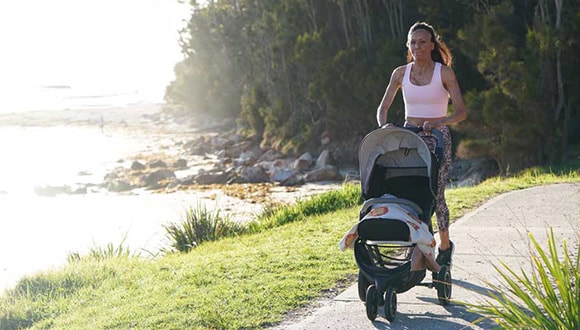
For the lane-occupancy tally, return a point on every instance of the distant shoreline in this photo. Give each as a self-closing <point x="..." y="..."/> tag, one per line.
<point x="163" y="137"/>
<point x="129" y="114"/>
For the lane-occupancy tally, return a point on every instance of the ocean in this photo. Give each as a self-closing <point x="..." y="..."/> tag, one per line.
<point x="76" y="56"/>
<point x="47" y="156"/>
<point x="25" y="98"/>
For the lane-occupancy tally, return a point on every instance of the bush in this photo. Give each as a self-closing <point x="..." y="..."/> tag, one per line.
<point x="201" y="225"/>
<point x="546" y="298"/>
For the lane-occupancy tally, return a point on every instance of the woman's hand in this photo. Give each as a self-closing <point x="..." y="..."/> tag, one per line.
<point x="427" y="127"/>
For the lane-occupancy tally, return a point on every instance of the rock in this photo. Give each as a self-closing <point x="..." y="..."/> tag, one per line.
<point x="234" y="151"/>
<point x="113" y="174"/>
<point x="326" y="173"/>
<point x="51" y="191"/>
<point x="270" y="155"/>
<point x="180" y="163"/>
<point x="198" y="146"/>
<point x="303" y="162"/>
<point x="157" y="164"/>
<point x="470" y="172"/>
<point x="153" y="179"/>
<point x="118" y="186"/>
<point x="80" y="190"/>
<point x="186" y="181"/>
<point x="251" y="155"/>
<point x="220" y="142"/>
<point x="137" y="166"/>
<point x="222" y="154"/>
<point x="215" y="177"/>
<point x="324" y="159"/>
<point x="293" y="180"/>
<point x="255" y="174"/>
<point x="236" y="180"/>
<point x="280" y="174"/>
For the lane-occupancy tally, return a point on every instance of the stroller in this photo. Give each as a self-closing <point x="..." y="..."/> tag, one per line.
<point x="398" y="180"/>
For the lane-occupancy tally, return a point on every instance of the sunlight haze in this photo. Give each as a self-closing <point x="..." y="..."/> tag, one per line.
<point x="103" y="46"/>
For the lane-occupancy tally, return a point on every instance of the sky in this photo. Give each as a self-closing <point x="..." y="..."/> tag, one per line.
<point x="103" y="44"/>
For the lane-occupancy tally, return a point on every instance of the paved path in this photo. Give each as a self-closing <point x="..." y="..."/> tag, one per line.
<point x="495" y="231"/>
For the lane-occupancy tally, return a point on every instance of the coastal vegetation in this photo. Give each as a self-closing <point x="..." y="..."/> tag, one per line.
<point x="250" y="280"/>
<point x="545" y="298"/>
<point x="296" y="74"/>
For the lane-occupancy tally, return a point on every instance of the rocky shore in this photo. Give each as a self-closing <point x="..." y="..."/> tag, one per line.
<point x="186" y="154"/>
<point x="219" y="158"/>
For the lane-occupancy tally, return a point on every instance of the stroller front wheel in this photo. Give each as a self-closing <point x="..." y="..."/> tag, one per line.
<point x="372" y="302"/>
<point x="363" y="285"/>
<point x="390" y="304"/>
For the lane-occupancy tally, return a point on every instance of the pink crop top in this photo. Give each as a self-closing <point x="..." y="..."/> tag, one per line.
<point x="429" y="101"/>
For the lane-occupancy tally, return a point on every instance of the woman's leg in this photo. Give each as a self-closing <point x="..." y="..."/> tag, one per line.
<point x="441" y="210"/>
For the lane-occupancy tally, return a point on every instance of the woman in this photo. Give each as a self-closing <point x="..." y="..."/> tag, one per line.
<point x="428" y="81"/>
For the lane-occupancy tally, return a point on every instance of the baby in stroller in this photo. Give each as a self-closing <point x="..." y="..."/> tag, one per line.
<point x="389" y="207"/>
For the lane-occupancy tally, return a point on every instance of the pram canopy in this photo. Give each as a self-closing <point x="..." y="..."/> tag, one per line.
<point x="397" y="161"/>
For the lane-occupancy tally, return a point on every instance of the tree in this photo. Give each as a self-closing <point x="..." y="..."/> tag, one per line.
<point x="290" y="71"/>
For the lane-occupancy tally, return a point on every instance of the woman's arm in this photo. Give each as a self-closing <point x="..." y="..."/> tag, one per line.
<point x="392" y="88"/>
<point x="450" y="83"/>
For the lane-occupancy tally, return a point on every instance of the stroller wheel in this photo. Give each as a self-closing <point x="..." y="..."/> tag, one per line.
<point x="372" y="303"/>
<point x="363" y="284"/>
<point x="443" y="285"/>
<point x="390" y="304"/>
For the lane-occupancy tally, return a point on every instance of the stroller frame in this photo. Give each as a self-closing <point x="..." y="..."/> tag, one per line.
<point x="395" y="161"/>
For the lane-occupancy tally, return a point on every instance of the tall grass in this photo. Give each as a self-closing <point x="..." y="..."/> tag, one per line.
<point x="546" y="298"/>
<point x="201" y="225"/>
<point x="108" y="251"/>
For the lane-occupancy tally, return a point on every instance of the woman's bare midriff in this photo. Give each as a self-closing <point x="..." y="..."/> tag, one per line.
<point x="417" y="121"/>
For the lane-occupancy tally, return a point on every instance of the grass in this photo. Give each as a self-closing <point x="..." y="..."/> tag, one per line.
<point x="100" y="253"/>
<point x="200" y="225"/>
<point x="244" y="282"/>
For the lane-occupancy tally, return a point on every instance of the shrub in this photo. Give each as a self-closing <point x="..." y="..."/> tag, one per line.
<point x="201" y="225"/>
<point x="546" y="298"/>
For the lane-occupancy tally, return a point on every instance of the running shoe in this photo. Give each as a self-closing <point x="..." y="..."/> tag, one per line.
<point x="444" y="258"/>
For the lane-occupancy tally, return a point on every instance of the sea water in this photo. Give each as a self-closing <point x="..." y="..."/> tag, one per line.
<point x="35" y="157"/>
<point x="39" y="232"/>
<point x="77" y="55"/>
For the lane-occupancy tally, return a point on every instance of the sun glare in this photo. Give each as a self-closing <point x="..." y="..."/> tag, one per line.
<point x="133" y="43"/>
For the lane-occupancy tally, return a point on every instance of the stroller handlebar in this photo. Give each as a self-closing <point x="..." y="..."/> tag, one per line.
<point x="414" y="129"/>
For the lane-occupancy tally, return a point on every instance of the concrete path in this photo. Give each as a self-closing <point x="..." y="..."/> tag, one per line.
<point x="497" y="231"/>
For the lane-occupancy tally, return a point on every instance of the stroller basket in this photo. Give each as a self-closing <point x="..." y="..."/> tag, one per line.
<point x="388" y="263"/>
<point x="384" y="249"/>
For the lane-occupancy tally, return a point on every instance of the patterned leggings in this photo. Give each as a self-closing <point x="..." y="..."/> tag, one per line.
<point x="441" y="210"/>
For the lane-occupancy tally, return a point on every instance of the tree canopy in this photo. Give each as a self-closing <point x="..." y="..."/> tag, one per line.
<point x="291" y="71"/>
